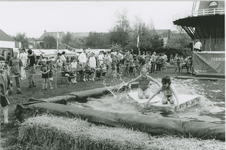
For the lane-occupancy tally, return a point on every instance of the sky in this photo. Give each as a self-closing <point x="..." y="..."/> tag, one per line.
<point x="33" y="18"/>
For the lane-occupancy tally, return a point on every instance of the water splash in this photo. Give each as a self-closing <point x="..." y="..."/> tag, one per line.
<point x="115" y="96"/>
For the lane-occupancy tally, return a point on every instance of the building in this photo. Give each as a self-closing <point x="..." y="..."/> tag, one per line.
<point x="61" y="34"/>
<point x="7" y="44"/>
<point x="80" y="34"/>
<point x="32" y="43"/>
<point x="206" y="23"/>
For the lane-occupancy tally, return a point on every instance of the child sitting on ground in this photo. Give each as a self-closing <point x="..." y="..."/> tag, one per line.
<point x="80" y="72"/>
<point x="168" y="90"/>
<point x="144" y="82"/>
<point x="66" y="71"/>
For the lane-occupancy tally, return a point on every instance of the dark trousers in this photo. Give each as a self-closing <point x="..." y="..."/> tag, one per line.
<point x="153" y="67"/>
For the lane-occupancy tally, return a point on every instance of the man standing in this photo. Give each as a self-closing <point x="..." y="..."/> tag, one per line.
<point x="15" y="65"/>
<point x="23" y="57"/>
<point x="153" y="62"/>
<point x="4" y="89"/>
<point x="82" y="58"/>
<point x="31" y="69"/>
<point x="198" y="46"/>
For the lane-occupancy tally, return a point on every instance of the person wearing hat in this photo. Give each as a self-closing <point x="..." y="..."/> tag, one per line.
<point x="15" y="65"/>
<point x="4" y="89"/>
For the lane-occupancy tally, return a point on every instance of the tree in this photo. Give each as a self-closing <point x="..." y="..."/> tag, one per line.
<point x="67" y="38"/>
<point x="98" y="40"/>
<point x="148" y="37"/>
<point x="179" y="40"/>
<point x="49" y="42"/>
<point x="119" y="34"/>
<point x="116" y="47"/>
<point x="21" y="37"/>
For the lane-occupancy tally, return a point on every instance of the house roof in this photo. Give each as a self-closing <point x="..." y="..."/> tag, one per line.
<point x="80" y="34"/>
<point x="5" y="37"/>
<point x="54" y="34"/>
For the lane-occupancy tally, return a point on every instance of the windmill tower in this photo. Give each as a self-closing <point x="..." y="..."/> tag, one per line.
<point x="206" y="22"/>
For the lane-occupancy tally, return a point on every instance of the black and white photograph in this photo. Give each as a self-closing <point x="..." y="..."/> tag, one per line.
<point x="112" y="75"/>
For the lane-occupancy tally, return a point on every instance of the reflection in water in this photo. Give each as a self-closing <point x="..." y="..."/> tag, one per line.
<point x="211" y="107"/>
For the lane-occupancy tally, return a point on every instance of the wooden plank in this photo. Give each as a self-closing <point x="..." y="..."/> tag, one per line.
<point x="184" y="102"/>
<point x="134" y="96"/>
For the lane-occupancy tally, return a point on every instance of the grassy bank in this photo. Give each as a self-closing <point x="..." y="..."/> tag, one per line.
<point x="50" y="132"/>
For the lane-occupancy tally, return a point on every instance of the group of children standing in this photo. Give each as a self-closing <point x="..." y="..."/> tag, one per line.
<point x="182" y="62"/>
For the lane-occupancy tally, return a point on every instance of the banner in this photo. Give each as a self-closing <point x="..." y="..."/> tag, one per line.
<point x="209" y="62"/>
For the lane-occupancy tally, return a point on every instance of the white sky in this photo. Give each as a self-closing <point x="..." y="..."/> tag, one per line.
<point x="33" y="18"/>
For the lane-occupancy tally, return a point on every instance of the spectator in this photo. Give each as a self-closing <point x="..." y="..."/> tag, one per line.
<point x="74" y="64"/>
<point x="171" y="59"/>
<point x="23" y="57"/>
<point x="52" y="69"/>
<point x="45" y="74"/>
<point x="15" y="65"/>
<point x="59" y="62"/>
<point x="198" y="46"/>
<point x="153" y="62"/>
<point x="92" y="65"/>
<point x="82" y="58"/>
<point x="119" y="58"/>
<point x="100" y="58"/>
<point x="31" y="67"/>
<point x="158" y="62"/>
<point x="63" y="57"/>
<point x="4" y="90"/>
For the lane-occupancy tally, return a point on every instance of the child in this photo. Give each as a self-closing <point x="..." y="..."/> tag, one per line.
<point x="4" y="89"/>
<point x="51" y="72"/>
<point x="88" y="72"/>
<point x="92" y="65"/>
<point x="114" y="67"/>
<point x="168" y="90"/>
<point x="103" y="71"/>
<point x="80" y="71"/>
<point x="66" y="71"/>
<point x="45" y="74"/>
<point x="98" y="72"/>
<point x="144" y="82"/>
<point x="74" y="64"/>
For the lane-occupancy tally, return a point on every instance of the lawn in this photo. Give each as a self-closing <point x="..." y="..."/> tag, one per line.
<point x="9" y="132"/>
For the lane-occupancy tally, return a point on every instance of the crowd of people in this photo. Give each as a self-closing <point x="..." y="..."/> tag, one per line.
<point x="88" y="66"/>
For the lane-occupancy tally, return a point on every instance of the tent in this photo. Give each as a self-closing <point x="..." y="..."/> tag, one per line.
<point x="209" y="62"/>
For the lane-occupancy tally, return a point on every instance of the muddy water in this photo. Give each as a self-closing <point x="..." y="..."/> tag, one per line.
<point x="211" y="107"/>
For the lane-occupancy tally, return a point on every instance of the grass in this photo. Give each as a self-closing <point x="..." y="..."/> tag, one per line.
<point x="9" y="133"/>
<point x="52" y="132"/>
